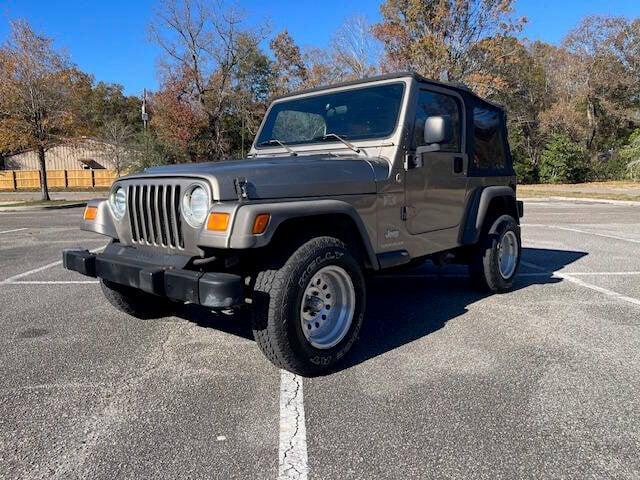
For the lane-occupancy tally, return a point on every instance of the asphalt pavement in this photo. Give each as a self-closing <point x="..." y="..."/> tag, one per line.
<point x="542" y="382"/>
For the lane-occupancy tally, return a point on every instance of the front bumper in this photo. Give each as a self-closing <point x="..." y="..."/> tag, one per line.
<point x="152" y="275"/>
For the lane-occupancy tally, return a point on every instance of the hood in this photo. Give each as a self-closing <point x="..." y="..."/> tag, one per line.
<point x="284" y="177"/>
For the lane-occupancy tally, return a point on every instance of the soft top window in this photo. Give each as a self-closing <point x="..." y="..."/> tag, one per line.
<point x="489" y="147"/>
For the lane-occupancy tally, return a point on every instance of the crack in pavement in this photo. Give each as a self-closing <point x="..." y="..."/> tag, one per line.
<point x="293" y="441"/>
<point x="70" y="464"/>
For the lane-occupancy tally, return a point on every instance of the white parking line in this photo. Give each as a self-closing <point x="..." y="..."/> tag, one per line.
<point x="40" y="269"/>
<point x="30" y="272"/>
<point x="590" y="286"/>
<point x="14" y="230"/>
<point x="293" y="431"/>
<point x="604" y="274"/>
<point x="50" y="282"/>
<point x="521" y="274"/>
<point x="450" y="275"/>
<point x="606" y="291"/>
<point x="577" y="230"/>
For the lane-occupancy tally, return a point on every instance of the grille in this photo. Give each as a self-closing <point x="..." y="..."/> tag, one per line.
<point x="154" y="215"/>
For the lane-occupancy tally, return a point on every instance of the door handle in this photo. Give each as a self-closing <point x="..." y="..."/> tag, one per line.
<point x="457" y="164"/>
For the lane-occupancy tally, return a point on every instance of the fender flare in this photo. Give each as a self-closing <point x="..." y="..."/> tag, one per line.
<point x="242" y="238"/>
<point x="477" y="208"/>
<point x="103" y="223"/>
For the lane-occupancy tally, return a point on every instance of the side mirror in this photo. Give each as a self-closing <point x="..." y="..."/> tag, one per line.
<point x="437" y="129"/>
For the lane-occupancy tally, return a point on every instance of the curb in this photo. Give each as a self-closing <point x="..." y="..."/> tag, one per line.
<point x="580" y="199"/>
<point x="36" y="208"/>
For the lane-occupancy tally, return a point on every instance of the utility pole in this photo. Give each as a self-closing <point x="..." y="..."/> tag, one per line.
<point x="145" y="121"/>
<point x="242" y="132"/>
<point x="145" y="115"/>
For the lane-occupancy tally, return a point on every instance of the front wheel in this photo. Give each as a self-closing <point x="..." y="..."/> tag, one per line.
<point x="496" y="259"/>
<point x="135" y="302"/>
<point x="307" y="314"/>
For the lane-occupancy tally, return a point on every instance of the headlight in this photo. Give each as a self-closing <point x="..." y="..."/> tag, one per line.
<point x="195" y="206"/>
<point x="118" y="201"/>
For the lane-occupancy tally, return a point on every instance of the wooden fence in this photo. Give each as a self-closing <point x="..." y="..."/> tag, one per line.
<point x="12" y="180"/>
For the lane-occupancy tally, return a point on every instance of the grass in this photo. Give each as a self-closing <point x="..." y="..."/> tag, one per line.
<point x="611" y="190"/>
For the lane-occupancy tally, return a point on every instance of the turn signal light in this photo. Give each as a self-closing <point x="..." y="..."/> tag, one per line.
<point x="260" y="223"/>
<point x="90" y="213"/>
<point x="218" y="222"/>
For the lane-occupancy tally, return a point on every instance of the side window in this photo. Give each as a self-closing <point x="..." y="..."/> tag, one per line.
<point x="488" y="151"/>
<point x="436" y="104"/>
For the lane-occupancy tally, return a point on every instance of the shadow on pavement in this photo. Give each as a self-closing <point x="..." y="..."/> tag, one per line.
<point x="236" y="323"/>
<point x="403" y="307"/>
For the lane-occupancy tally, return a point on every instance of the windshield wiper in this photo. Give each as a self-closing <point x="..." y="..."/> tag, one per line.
<point x="338" y="137"/>
<point x="275" y="141"/>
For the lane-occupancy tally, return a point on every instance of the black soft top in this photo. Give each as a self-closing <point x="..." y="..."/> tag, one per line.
<point x="459" y="87"/>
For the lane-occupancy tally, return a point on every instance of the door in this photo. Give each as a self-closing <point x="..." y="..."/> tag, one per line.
<point x="436" y="181"/>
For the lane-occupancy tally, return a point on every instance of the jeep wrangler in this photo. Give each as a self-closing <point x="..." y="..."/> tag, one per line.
<point x="340" y="181"/>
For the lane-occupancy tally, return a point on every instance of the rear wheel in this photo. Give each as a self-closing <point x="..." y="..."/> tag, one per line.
<point x="135" y="302"/>
<point x="307" y="314"/>
<point x="496" y="259"/>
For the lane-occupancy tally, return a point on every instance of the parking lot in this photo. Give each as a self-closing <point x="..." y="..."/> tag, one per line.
<point x="542" y="382"/>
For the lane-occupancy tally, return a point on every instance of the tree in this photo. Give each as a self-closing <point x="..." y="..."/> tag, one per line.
<point x="36" y="83"/>
<point x="454" y="39"/>
<point x="255" y="80"/>
<point x="103" y="103"/>
<point x="563" y="161"/>
<point x="356" y="52"/>
<point x="630" y="154"/>
<point x="118" y="138"/>
<point x="599" y="80"/>
<point x="179" y="120"/>
<point x="524" y="91"/>
<point x="290" y="69"/>
<point x="203" y="46"/>
<point x="148" y="152"/>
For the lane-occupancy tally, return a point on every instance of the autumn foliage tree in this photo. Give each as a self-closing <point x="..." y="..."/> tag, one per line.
<point x="204" y="46"/>
<point x="289" y="66"/>
<point x="453" y="39"/>
<point x="36" y="85"/>
<point x="178" y="118"/>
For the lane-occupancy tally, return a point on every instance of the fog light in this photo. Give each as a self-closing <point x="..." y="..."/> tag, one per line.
<point x="218" y="222"/>
<point x="90" y="213"/>
<point x="260" y="223"/>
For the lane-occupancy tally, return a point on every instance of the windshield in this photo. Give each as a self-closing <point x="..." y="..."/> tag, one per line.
<point x="360" y="114"/>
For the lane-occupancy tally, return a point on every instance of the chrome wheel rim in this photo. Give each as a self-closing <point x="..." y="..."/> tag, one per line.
<point x="508" y="254"/>
<point x="327" y="307"/>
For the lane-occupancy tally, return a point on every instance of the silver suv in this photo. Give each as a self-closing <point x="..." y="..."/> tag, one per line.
<point x="354" y="178"/>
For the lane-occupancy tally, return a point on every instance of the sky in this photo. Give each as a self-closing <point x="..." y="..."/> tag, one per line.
<point x="109" y="38"/>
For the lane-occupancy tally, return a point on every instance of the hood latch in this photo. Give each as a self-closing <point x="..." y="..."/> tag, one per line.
<point x="240" y="186"/>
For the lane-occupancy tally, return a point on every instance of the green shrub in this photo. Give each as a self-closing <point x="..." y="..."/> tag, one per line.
<point x="563" y="161"/>
<point x="630" y="155"/>
<point x="526" y="171"/>
<point x="616" y="169"/>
